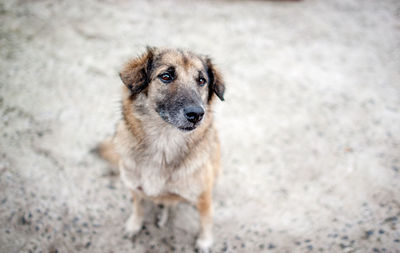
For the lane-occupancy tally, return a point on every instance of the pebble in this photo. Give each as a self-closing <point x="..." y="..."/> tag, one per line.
<point x="23" y="220"/>
<point x="391" y="219"/>
<point x="225" y="247"/>
<point x="368" y="234"/>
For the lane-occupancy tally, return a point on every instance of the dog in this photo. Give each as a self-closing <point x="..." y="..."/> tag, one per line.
<point x="166" y="146"/>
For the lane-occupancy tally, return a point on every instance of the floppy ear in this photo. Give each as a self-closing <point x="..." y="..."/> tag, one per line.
<point x="136" y="73"/>
<point x="216" y="82"/>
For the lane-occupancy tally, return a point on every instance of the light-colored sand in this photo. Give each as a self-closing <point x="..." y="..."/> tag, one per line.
<point x="310" y="128"/>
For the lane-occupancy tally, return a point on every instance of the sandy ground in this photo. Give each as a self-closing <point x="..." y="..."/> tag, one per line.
<point x="310" y="128"/>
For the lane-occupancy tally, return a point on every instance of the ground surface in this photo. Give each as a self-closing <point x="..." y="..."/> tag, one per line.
<point x="310" y="128"/>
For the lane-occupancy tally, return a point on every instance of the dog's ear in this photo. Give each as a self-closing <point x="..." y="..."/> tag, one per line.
<point x="136" y="73"/>
<point x="216" y="82"/>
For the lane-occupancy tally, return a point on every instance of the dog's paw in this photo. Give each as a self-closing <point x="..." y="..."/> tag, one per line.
<point x="162" y="216"/>
<point x="203" y="244"/>
<point x="132" y="226"/>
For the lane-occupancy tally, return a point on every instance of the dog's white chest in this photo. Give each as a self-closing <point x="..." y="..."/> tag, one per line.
<point x="155" y="181"/>
<point x="150" y="171"/>
<point x="145" y="177"/>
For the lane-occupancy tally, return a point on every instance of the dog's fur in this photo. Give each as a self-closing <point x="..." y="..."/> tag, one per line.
<point x="161" y="154"/>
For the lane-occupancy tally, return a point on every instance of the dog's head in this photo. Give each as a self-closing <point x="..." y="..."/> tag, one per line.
<point x="179" y="86"/>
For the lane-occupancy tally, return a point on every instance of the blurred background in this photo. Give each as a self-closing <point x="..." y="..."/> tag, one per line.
<point x="310" y="128"/>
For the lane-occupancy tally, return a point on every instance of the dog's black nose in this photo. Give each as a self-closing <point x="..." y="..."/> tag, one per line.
<point x="193" y="113"/>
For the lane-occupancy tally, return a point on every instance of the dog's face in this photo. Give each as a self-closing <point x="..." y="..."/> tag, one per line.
<point x="177" y="85"/>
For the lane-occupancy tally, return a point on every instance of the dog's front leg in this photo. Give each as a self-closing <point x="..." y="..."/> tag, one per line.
<point x="204" y="206"/>
<point x="134" y="223"/>
<point x="162" y="216"/>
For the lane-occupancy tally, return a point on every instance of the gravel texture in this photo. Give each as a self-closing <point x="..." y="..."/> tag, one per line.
<point x="310" y="128"/>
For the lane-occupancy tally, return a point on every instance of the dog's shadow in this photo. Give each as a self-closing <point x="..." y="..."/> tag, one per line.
<point x="178" y="233"/>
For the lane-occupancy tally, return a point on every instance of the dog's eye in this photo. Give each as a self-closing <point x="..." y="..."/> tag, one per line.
<point x="202" y="81"/>
<point x="165" y="77"/>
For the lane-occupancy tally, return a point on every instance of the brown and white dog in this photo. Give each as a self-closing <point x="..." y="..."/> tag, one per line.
<point x="166" y="146"/>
